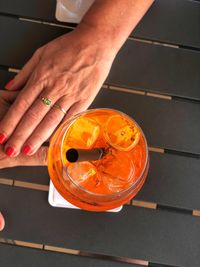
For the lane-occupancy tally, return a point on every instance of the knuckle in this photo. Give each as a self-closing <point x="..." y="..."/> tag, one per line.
<point x="17" y="138"/>
<point x="61" y="82"/>
<point x="37" y="52"/>
<point x="31" y="116"/>
<point x="21" y="73"/>
<point x="53" y="119"/>
<point x="38" y="139"/>
<point x="22" y="104"/>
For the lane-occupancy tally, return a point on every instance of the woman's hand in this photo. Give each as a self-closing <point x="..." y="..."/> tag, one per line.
<point x="40" y="158"/>
<point x="69" y="71"/>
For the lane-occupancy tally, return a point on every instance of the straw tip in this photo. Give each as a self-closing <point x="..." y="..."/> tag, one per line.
<point x="72" y="155"/>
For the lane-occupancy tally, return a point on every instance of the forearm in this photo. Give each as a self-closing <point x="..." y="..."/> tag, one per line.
<point x="112" y="21"/>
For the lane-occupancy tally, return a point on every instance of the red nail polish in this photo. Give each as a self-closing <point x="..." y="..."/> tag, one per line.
<point x="3" y="138"/>
<point x="10" y="151"/>
<point x="2" y="222"/>
<point x="27" y="150"/>
<point x="9" y="84"/>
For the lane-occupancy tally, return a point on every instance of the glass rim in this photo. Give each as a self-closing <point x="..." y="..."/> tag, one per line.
<point x="72" y="119"/>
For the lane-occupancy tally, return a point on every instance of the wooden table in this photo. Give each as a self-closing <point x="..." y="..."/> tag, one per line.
<point x="156" y="80"/>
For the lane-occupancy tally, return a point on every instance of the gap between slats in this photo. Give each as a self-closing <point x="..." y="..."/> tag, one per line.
<point x="73" y="26"/>
<point x="133" y="202"/>
<point x="75" y="252"/>
<point x="143" y="40"/>
<point x="126" y="90"/>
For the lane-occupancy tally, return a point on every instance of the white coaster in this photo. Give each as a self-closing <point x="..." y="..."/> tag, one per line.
<point x="72" y="10"/>
<point x="56" y="200"/>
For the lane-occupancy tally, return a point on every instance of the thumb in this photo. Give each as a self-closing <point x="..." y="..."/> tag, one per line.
<point x="22" y="77"/>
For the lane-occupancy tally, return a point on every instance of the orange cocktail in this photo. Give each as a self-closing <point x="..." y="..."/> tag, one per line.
<point x="112" y="179"/>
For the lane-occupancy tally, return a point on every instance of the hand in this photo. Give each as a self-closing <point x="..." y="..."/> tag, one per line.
<point x="69" y="71"/>
<point x="40" y="158"/>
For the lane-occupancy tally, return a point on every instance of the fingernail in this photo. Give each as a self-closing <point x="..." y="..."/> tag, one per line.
<point x="9" y="84"/>
<point x="27" y="150"/>
<point x="2" y="222"/>
<point x="3" y="138"/>
<point x="10" y="151"/>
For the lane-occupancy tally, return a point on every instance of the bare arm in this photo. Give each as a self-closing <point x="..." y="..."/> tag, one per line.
<point x="113" y="21"/>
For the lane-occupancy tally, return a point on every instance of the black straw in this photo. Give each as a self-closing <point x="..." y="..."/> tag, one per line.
<point x="77" y="155"/>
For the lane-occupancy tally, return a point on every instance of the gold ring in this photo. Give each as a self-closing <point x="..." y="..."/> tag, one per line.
<point x="60" y="108"/>
<point x="46" y="101"/>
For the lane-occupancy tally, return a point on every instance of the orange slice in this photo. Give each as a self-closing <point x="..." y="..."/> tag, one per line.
<point x="121" y="133"/>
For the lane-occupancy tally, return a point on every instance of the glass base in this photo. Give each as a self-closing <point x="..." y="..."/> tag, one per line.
<point x="56" y="200"/>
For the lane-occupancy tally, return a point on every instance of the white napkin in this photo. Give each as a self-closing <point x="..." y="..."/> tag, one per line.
<point x="56" y="200"/>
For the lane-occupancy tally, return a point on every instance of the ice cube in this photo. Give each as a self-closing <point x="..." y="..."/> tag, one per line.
<point x="117" y="171"/>
<point x="81" y="171"/>
<point x="121" y="133"/>
<point x="83" y="133"/>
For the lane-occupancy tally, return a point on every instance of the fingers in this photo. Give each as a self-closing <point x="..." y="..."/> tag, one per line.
<point x="45" y="128"/>
<point x="2" y="222"/>
<point x="26" y="129"/>
<point x="50" y="123"/>
<point x="38" y="159"/>
<point x="28" y="124"/>
<point x="8" y="96"/>
<point x="22" y="77"/>
<point x="6" y="99"/>
<point x="17" y="110"/>
<point x="76" y="108"/>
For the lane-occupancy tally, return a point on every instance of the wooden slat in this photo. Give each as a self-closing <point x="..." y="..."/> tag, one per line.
<point x="156" y="149"/>
<point x="157" y="69"/>
<point x="169" y="124"/>
<point x="37" y="174"/>
<point x="156" y="24"/>
<point x="166" y="22"/>
<point x="172" y="181"/>
<point x="27" y="244"/>
<point x="40" y="10"/>
<point x="171" y="178"/>
<point x="14" y="256"/>
<point x="6" y="181"/>
<point x="31" y="185"/>
<point x="196" y="212"/>
<point x="139" y="233"/>
<point x="148" y="205"/>
<point x="63" y="250"/>
<point x="20" y="39"/>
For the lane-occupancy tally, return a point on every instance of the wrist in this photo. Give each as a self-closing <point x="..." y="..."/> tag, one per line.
<point x="100" y="38"/>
